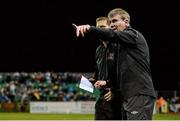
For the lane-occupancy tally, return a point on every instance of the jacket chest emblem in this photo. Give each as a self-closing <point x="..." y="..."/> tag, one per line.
<point x="111" y="56"/>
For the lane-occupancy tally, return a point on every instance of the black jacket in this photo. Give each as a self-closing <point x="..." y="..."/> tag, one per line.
<point x="106" y="65"/>
<point x="133" y="61"/>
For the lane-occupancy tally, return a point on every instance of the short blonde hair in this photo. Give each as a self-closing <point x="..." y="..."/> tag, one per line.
<point x="119" y="11"/>
<point x="103" y="19"/>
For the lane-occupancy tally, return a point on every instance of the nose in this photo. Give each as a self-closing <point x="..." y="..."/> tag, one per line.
<point x="111" y="25"/>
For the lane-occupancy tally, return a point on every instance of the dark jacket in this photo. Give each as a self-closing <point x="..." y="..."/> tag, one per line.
<point x="106" y="65"/>
<point x="133" y="61"/>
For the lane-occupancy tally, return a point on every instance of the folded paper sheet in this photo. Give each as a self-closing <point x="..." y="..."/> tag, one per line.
<point x="86" y="84"/>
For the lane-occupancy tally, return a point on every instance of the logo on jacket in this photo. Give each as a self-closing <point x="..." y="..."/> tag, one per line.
<point x="111" y="56"/>
<point x="134" y="112"/>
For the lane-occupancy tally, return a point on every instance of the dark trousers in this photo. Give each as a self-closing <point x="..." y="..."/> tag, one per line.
<point x="107" y="110"/>
<point x="139" y="107"/>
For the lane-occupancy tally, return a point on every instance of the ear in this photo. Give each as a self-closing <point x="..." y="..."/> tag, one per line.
<point x="127" y="22"/>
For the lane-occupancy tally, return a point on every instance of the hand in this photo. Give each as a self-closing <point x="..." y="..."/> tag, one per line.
<point x="92" y="80"/>
<point x="108" y="95"/>
<point x="81" y="29"/>
<point x="100" y="83"/>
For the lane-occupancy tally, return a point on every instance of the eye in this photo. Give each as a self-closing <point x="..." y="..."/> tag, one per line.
<point x="102" y="26"/>
<point x="113" y="21"/>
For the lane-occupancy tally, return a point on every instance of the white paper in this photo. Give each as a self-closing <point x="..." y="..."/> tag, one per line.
<point x="86" y="84"/>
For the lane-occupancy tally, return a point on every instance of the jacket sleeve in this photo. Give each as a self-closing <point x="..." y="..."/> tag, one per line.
<point x="127" y="37"/>
<point x="95" y="76"/>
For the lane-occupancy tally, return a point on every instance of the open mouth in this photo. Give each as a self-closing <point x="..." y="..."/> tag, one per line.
<point x="114" y="29"/>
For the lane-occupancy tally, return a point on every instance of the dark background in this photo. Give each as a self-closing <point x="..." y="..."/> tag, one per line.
<point x="37" y="35"/>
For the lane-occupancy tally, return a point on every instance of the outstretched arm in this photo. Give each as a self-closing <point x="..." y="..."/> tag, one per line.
<point x="125" y="37"/>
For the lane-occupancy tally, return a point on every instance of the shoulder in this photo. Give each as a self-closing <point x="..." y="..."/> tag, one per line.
<point x="132" y="32"/>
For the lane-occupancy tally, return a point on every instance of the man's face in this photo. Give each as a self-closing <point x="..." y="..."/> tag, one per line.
<point x="117" y="23"/>
<point x="102" y="24"/>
